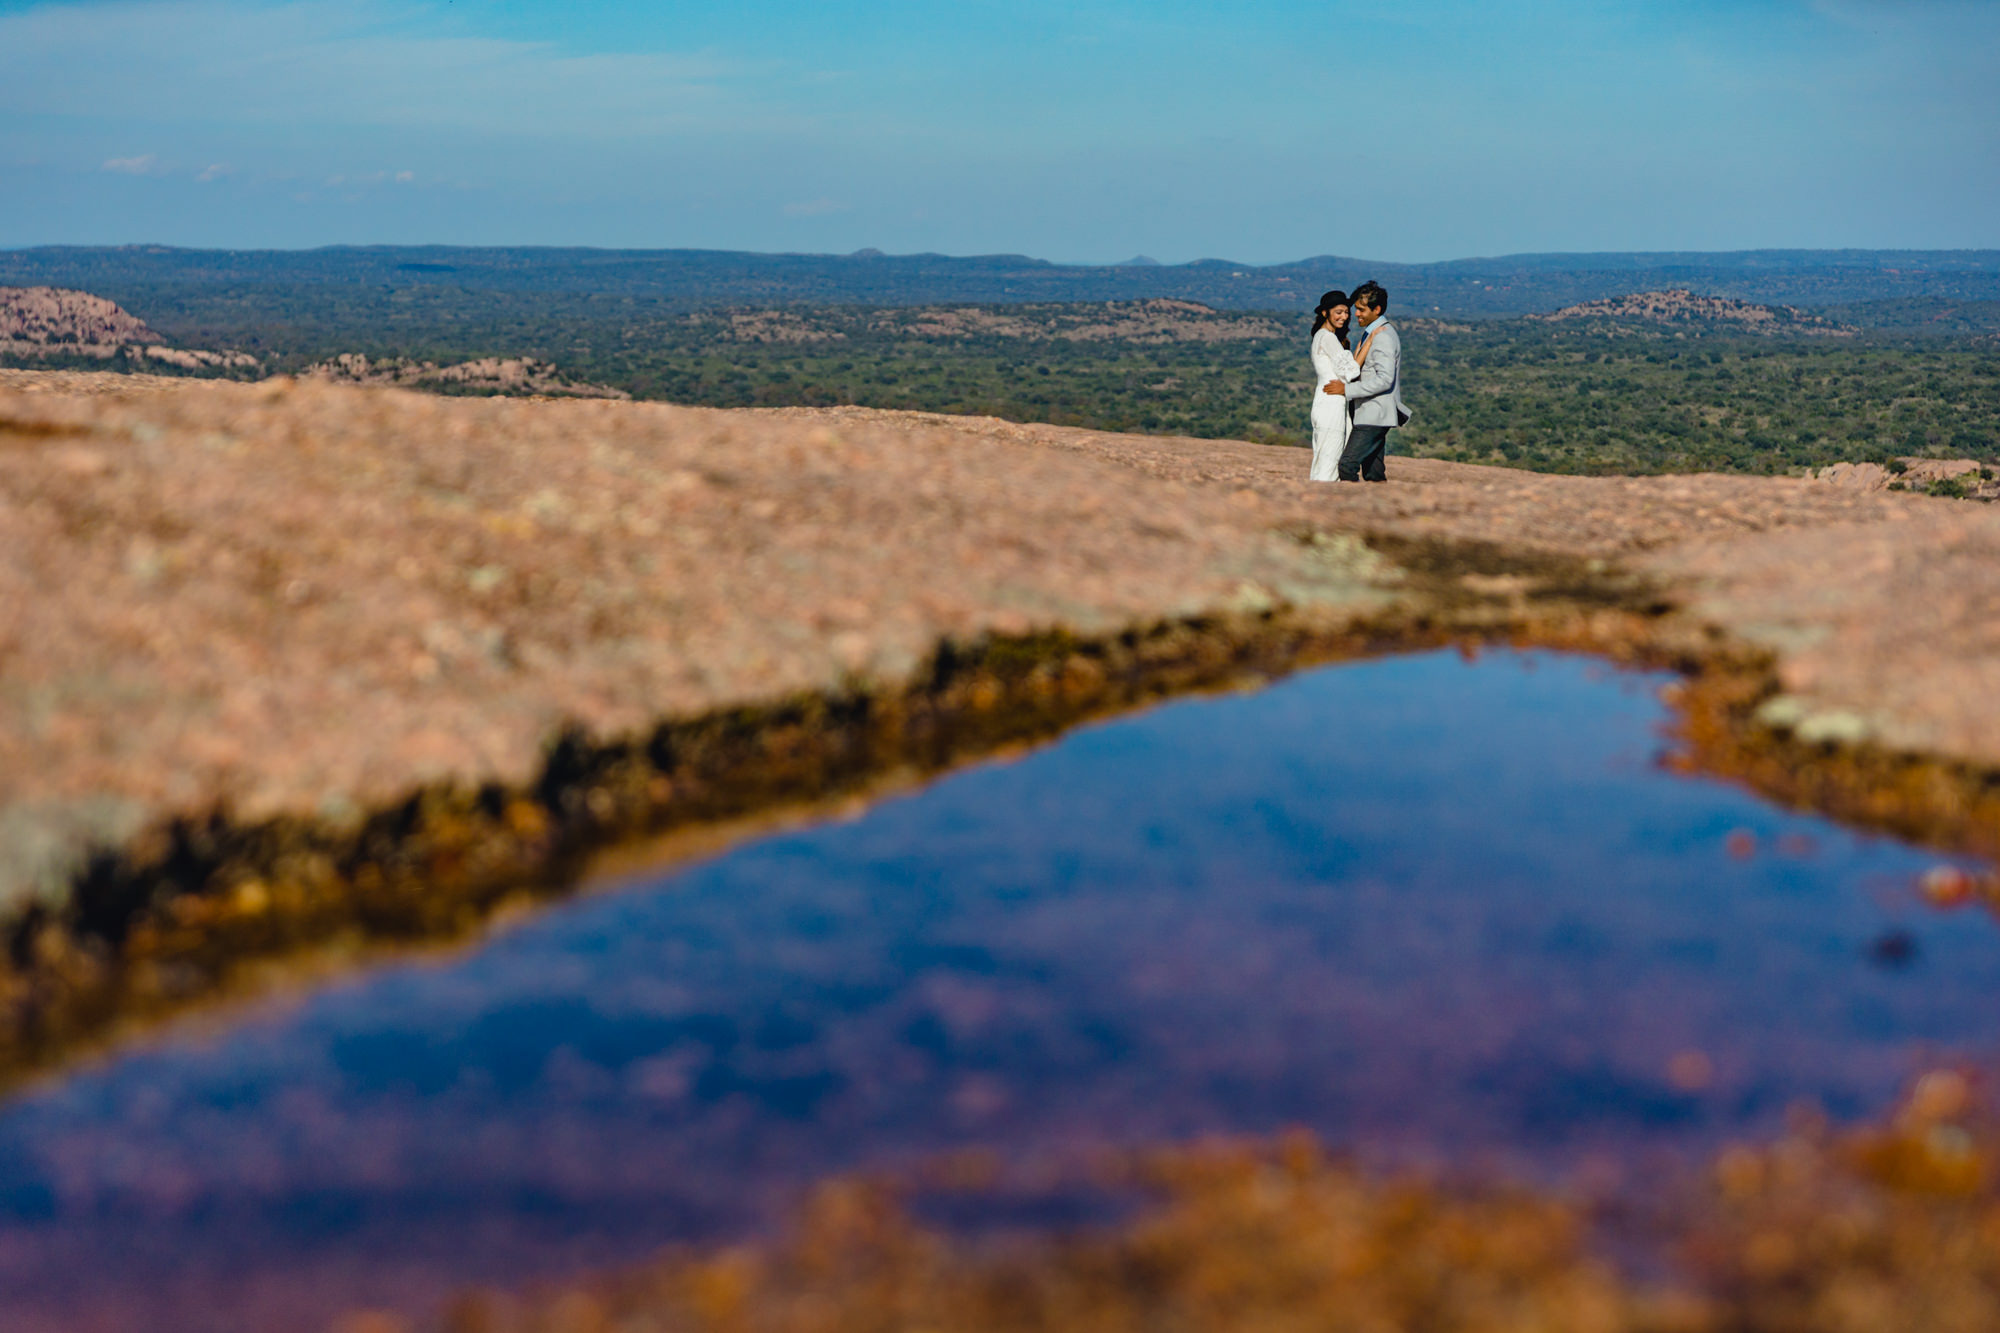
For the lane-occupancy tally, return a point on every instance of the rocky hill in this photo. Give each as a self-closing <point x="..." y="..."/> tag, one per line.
<point x="37" y="319"/>
<point x="55" y="321"/>
<point x="1681" y="306"/>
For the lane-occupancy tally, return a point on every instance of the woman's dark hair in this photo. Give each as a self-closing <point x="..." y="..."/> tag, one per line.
<point x="1326" y="304"/>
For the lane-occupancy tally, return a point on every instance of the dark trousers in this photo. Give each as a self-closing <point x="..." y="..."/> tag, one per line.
<point x="1362" y="459"/>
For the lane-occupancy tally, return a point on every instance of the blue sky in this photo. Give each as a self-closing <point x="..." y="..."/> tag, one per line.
<point x="1077" y="130"/>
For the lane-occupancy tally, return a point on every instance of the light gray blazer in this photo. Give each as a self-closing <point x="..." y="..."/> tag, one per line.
<point x="1376" y="399"/>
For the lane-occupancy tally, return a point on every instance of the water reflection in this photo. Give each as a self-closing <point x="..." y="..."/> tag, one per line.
<point x="1422" y="905"/>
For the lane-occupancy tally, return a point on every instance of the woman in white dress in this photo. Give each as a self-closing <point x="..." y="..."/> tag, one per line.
<point x="1331" y="361"/>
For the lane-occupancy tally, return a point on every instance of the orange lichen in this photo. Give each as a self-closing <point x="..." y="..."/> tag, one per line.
<point x="1939" y="802"/>
<point x="1266" y="1237"/>
<point x="1892" y="1227"/>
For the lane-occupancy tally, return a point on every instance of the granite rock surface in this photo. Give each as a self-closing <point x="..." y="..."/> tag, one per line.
<point x="294" y="597"/>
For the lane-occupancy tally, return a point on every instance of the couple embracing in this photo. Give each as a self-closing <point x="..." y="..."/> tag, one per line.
<point x="1358" y="394"/>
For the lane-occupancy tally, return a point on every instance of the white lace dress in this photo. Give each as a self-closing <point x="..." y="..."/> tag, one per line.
<point x="1330" y="361"/>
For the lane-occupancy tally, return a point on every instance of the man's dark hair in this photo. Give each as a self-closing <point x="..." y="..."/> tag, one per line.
<point x="1370" y="294"/>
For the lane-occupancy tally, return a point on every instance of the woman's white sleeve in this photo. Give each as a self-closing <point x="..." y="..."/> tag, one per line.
<point x="1344" y="364"/>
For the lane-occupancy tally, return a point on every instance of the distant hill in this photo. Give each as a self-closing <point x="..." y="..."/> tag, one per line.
<point x="202" y="292"/>
<point x="1685" y="307"/>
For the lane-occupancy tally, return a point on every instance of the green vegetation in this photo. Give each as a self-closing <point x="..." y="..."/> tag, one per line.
<point x="1618" y="401"/>
<point x="1595" y="399"/>
<point x="1575" y="396"/>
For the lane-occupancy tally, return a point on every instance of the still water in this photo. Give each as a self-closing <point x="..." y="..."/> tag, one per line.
<point x="1428" y="907"/>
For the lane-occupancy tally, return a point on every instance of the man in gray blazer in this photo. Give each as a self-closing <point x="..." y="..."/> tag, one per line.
<point x="1376" y="399"/>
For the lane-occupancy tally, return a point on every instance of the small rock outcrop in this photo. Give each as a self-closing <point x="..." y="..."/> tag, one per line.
<point x="1965" y="478"/>
<point x="1856" y="476"/>
<point x="1680" y="306"/>
<point x="194" y="358"/>
<point x="516" y="375"/>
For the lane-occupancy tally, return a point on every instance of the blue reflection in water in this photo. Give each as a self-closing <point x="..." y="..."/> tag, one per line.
<point x="1421" y="905"/>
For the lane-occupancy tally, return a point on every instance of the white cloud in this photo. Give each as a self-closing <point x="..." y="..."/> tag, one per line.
<point x="816" y="208"/>
<point x="324" y="65"/>
<point x="213" y="171"/>
<point x="145" y="164"/>
<point x="352" y="180"/>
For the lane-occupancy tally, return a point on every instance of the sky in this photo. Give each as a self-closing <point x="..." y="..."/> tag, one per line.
<point x="1074" y="130"/>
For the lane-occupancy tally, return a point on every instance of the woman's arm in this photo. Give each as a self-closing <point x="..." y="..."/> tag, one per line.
<point x="1361" y="357"/>
<point x="1345" y="368"/>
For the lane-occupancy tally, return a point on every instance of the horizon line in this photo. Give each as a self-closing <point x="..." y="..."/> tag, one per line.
<point x="870" y="254"/>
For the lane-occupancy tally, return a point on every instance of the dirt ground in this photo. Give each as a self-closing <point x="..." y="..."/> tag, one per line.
<point x="296" y="598"/>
